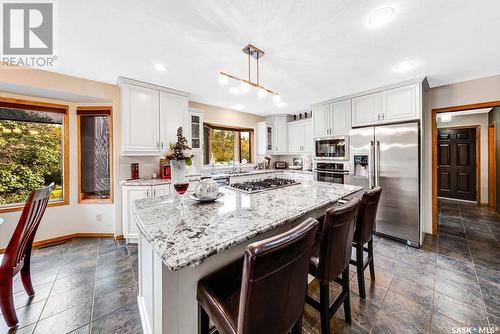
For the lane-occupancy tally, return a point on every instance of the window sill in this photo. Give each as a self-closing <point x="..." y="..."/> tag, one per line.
<point x="207" y="168"/>
<point x="20" y="207"/>
<point x="95" y="201"/>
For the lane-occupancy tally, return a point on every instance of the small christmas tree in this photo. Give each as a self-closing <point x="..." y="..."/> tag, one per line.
<point x="179" y="150"/>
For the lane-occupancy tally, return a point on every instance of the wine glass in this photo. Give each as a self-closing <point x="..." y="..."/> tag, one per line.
<point x="181" y="185"/>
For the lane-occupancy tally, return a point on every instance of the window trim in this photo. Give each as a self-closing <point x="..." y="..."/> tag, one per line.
<point x="44" y="107"/>
<point x="94" y="111"/>
<point x="238" y="148"/>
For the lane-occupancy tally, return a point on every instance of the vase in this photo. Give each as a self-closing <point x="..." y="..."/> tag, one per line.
<point x="178" y="170"/>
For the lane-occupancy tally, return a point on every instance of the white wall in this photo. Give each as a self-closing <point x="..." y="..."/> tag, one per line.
<point x="473" y="121"/>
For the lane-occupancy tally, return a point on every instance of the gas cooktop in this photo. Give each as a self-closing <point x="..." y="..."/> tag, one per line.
<point x="255" y="186"/>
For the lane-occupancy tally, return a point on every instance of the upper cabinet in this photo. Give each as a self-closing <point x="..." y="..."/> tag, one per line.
<point x="388" y="106"/>
<point x="261" y="138"/>
<point x="277" y="133"/>
<point x="366" y="110"/>
<point x="332" y="119"/>
<point x="150" y="117"/>
<point x="300" y="137"/>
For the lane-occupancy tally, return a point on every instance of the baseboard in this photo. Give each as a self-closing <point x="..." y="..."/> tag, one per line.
<point x="146" y="326"/>
<point x="58" y="240"/>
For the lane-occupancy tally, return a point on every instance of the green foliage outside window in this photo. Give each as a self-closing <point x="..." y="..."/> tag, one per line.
<point x="30" y="158"/>
<point x="222" y="144"/>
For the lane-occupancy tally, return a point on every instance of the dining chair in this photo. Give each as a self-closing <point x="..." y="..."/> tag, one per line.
<point x="263" y="292"/>
<point x="330" y="263"/>
<point x="18" y="253"/>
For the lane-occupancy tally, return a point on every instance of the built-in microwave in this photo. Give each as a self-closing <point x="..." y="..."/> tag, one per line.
<point x="331" y="148"/>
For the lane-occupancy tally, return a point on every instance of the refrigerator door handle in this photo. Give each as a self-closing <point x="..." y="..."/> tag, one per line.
<point x="377" y="163"/>
<point x="370" y="165"/>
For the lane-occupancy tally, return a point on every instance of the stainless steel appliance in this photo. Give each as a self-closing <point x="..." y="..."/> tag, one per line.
<point x="255" y="186"/>
<point x="280" y="165"/>
<point x="388" y="156"/>
<point x="328" y="171"/>
<point x="331" y="148"/>
<point x="222" y="181"/>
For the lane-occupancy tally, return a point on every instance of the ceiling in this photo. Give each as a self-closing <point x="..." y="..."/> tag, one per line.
<point x="315" y="50"/>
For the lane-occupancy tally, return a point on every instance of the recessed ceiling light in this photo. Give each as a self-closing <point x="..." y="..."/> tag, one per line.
<point x="235" y="90"/>
<point x="381" y="16"/>
<point x="160" y="67"/>
<point x="404" y="66"/>
<point x="238" y="107"/>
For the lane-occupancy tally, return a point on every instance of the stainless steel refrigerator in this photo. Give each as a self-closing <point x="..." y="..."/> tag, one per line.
<point x="388" y="156"/>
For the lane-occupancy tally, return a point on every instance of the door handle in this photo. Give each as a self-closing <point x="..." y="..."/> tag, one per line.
<point x="370" y="165"/>
<point x="377" y="163"/>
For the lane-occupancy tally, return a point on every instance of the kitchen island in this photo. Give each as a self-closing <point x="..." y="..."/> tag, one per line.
<point x="177" y="247"/>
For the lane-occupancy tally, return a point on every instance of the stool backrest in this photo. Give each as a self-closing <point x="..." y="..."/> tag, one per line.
<point x="20" y="243"/>
<point x="274" y="280"/>
<point x="336" y="239"/>
<point x="367" y="214"/>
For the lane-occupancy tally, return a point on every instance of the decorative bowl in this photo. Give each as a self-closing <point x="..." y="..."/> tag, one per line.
<point x="196" y="198"/>
<point x="207" y="189"/>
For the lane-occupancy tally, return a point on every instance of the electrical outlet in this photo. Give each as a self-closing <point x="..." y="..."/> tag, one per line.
<point x="98" y="217"/>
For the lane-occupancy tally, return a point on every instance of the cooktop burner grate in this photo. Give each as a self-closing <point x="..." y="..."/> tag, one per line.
<point x="255" y="186"/>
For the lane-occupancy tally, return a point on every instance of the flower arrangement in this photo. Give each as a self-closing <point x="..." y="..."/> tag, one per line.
<point x="179" y="150"/>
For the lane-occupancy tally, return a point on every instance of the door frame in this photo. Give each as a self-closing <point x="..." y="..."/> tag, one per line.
<point x="478" y="156"/>
<point x="492" y="167"/>
<point x="435" y="111"/>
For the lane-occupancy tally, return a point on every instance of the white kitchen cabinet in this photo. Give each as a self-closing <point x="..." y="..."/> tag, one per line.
<point x="140" y="120"/>
<point x="401" y="103"/>
<point x="367" y="109"/>
<point x="320" y="115"/>
<point x="131" y="194"/>
<point x="150" y="117"/>
<point x="261" y="138"/>
<point x="277" y="127"/>
<point x="300" y="137"/>
<point x="340" y="117"/>
<point x="196" y="139"/>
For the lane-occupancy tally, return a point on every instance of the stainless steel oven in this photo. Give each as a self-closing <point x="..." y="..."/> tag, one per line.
<point x="331" y="148"/>
<point x="333" y="172"/>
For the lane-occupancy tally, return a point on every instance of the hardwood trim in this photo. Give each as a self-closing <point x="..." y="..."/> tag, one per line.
<point x="47" y="107"/>
<point x="227" y="128"/>
<point x="492" y="166"/>
<point x="57" y="240"/>
<point x="478" y="165"/>
<point x="491" y="104"/>
<point x="95" y="110"/>
<point x="120" y="237"/>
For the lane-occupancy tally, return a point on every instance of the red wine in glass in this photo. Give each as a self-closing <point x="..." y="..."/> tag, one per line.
<point x="181" y="188"/>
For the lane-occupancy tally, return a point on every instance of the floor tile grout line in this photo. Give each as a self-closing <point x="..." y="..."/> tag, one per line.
<point x="475" y="271"/>
<point x="93" y="291"/>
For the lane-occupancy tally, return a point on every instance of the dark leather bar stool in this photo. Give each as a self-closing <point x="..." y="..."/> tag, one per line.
<point x="263" y="292"/>
<point x="363" y="234"/>
<point x="332" y="260"/>
<point x="18" y="253"/>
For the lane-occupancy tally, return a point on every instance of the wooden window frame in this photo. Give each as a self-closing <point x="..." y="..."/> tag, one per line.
<point x="92" y="111"/>
<point x="237" y="146"/>
<point x="45" y="107"/>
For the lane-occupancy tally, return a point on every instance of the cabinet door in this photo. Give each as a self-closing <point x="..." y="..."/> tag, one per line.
<point x="269" y="141"/>
<point x="308" y="144"/>
<point x="131" y="194"/>
<point x="261" y="138"/>
<point x="295" y="137"/>
<point x="320" y="120"/>
<point x="339" y="113"/>
<point x="173" y="114"/>
<point x="401" y="103"/>
<point x="162" y="190"/>
<point x="366" y="109"/>
<point x="280" y="135"/>
<point x="140" y="118"/>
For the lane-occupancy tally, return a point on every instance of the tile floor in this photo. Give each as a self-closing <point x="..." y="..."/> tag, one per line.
<point x="89" y="285"/>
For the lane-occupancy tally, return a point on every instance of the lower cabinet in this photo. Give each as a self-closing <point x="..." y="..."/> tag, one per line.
<point x="131" y="194"/>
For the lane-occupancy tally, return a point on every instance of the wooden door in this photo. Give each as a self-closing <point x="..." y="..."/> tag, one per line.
<point x="492" y="167"/>
<point x="457" y="163"/>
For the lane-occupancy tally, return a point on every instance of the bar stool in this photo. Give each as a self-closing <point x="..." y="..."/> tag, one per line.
<point x="332" y="260"/>
<point x="18" y="253"/>
<point x="363" y="234"/>
<point x="263" y="292"/>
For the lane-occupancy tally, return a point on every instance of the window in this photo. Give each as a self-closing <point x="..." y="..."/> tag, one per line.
<point x="33" y="151"/>
<point x="94" y="153"/>
<point x="223" y="145"/>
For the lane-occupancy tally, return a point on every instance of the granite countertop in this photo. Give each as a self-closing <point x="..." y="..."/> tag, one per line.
<point x="144" y="182"/>
<point x="257" y="172"/>
<point x="186" y="237"/>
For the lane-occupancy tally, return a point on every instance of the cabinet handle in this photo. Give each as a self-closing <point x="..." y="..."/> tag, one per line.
<point x="162" y="145"/>
<point x="154" y="193"/>
<point x="158" y="145"/>
<point x="383" y="116"/>
<point x="378" y="117"/>
<point x="147" y="193"/>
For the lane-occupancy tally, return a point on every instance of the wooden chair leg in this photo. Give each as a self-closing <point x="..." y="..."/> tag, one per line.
<point x="360" y="271"/>
<point x="26" y="279"/>
<point x="347" y="300"/>
<point x="324" y="300"/>
<point x="297" y="328"/>
<point x="203" y="321"/>
<point x="370" y="254"/>
<point x="7" y="302"/>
